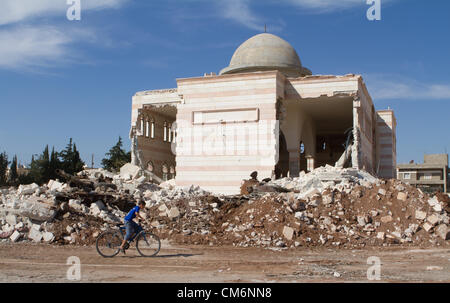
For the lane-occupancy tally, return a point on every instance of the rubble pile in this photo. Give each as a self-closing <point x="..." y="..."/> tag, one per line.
<point x="327" y="207"/>
<point x="75" y="212"/>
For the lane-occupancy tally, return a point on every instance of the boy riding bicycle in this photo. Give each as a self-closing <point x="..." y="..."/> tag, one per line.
<point x="131" y="226"/>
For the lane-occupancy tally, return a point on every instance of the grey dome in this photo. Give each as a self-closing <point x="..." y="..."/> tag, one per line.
<point x="266" y="52"/>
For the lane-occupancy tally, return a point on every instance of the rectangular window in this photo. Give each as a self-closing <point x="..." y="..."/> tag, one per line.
<point x="407" y="176"/>
<point x="165" y="133"/>
<point x="427" y="176"/>
<point x="153" y="130"/>
<point x="147" y="128"/>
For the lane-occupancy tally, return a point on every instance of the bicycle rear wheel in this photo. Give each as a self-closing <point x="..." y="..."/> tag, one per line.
<point x="108" y="244"/>
<point x="148" y="244"/>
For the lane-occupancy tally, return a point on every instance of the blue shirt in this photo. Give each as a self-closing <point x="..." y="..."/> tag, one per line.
<point x="132" y="213"/>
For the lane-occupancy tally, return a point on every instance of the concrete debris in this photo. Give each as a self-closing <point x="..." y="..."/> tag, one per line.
<point x="129" y="171"/>
<point x="288" y="232"/>
<point x="15" y="236"/>
<point x="328" y="206"/>
<point x="402" y="196"/>
<point x="420" y="215"/>
<point x="443" y="231"/>
<point x="48" y="237"/>
<point x="35" y="235"/>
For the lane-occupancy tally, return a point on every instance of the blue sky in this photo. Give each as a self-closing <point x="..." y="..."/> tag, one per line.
<point x="61" y="78"/>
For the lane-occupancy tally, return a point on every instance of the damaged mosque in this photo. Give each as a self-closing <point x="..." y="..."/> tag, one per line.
<point x="265" y="112"/>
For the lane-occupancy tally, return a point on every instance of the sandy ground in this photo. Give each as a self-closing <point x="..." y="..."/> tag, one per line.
<point x="48" y="263"/>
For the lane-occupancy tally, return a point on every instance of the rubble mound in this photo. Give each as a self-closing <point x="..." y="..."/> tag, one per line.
<point x="332" y="207"/>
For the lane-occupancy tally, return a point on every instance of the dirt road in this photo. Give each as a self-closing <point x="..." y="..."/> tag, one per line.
<point x="48" y="263"/>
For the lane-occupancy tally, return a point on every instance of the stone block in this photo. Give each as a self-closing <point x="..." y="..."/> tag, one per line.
<point x="173" y="213"/>
<point x="361" y="221"/>
<point x="48" y="237"/>
<point x="11" y="219"/>
<point x="386" y="219"/>
<point x="420" y="215"/>
<point x="427" y="227"/>
<point x="15" y="236"/>
<point x="35" y="235"/>
<point x="443" y="231"/>
<point x="100" y="205"/>
<point x="288" y="232"/>
<point x="402" y="196"/>
<point x="27" y="189"/>
<point x="433" y="219"/>
<point x="129" y="171"/>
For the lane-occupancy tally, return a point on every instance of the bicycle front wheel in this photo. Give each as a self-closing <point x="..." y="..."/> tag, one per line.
<point x="148" y="244"/>
<point x="108" y="244"/>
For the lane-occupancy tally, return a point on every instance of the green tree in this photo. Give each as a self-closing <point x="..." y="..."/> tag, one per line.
<point x="116" y="157"/>
<point x="13" y="176"/>
<point x="70" y="159"/>
<point x="3" y="168"/>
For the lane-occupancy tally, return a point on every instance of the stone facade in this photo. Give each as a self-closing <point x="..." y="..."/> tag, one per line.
<point x="261" y="119"/>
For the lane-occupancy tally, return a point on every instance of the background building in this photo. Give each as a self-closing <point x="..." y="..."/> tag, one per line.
<point x="430" y="176"/>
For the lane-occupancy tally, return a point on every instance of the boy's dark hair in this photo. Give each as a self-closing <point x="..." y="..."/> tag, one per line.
<point x="141" y="202"/>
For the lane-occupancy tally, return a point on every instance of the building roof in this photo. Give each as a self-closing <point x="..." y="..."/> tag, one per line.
<point x="266" y="52"/>
<point x="421" y="166"/>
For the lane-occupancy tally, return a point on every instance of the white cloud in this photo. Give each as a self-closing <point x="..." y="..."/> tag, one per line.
<point x="12" y="11"/>
<point x="239" y="11"/>
<point x="396" y="87"/>
<point x="27" y="48"/>
<point x="322" y="6"/>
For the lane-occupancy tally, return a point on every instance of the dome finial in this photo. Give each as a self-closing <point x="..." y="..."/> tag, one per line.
<point x="265" y="28"/>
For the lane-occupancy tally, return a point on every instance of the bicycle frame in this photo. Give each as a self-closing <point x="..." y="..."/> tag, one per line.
<point x="123" y="228"/>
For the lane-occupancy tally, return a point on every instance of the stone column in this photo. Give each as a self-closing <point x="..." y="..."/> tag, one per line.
<point x="294" y="163"/>
<point x="309" y="163"/>
<point x="133" y="145"/>
<point x="356" y="148"/>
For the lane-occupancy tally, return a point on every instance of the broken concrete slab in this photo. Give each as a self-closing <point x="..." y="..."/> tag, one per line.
<point x="35" y="235"/>
<point x="402" y="196"/>
<point x="442" y="231"/>
<point x="386" y="219"/>
<point x="11" y="219"/>
<point x="173" y="213"/>
<point x="27" y="189"/>
<point x="129" y="171"/>
<point x="427" y="226"/>
<point x="48" y="237"/>
<point x="15" y="236"/>
<point x="433" y="219"/>
<point x="288" y="232"/>
<point x="54" y="185"/>
<point x="420" y="215"/>
<point x="382" y="192"/>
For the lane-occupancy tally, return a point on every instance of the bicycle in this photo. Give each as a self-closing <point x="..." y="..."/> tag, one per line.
<point x="108" y="242"/>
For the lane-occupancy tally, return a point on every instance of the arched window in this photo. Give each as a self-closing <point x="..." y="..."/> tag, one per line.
<point x="165" y="171"/>
<point x="169" y="133"/>
<point x="147" y="128"/>
<point x="152" y="129"/>
<point x="141" y="126"/>
<point x="302" y="147"/>
<point x="172" y="172"/>
<point x="150" y="166"/>
<point x="165" y="131"/>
